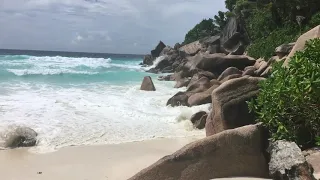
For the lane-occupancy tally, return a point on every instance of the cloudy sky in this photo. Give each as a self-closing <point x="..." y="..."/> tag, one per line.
<point x="115" y="26"/>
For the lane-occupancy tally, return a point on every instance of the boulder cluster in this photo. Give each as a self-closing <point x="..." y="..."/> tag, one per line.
<point x="216" y="70"/>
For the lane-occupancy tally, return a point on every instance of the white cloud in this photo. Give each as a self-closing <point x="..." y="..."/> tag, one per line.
<point x="91" y="37"/>
<point x="79" y="38"/>
<point x="118" y="26"/>
<point x="108" y="7"/>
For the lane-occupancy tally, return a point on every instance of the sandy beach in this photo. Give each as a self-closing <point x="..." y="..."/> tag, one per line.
<point x="106" y="162"/>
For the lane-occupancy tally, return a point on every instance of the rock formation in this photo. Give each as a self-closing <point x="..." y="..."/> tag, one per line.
<point x="20" y="137"/>
<point x="147" y="84"/>
<point x="230" y="109"/>
<point x="232" y="153"/>
<point x="288" y="162"/>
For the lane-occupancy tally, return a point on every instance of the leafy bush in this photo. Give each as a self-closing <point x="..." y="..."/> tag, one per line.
<point x="289" y="101"/>
<point x="314" y="21"/>
<point x="265" y="46"/>
<point x="260" y="23"/>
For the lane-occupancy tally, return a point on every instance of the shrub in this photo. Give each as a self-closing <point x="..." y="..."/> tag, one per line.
<point x="289" y="101"/>
<point x="265" y="46"/>
<point x="314" y="21"/>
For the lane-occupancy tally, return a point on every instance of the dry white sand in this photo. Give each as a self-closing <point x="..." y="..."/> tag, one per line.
<point x="106" y="162"/>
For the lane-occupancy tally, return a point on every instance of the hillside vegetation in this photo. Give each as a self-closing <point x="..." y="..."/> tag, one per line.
<point x="269" y="23"/>
<point x="288" y="102"/>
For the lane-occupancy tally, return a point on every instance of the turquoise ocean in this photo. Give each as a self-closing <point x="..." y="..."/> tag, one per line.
<point x="74" y="99"/>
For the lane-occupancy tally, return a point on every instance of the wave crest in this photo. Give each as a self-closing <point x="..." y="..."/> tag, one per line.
<point x="58" y="65"/>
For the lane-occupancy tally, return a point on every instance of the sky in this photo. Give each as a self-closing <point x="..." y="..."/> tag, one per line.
<point x="108" y="26"/>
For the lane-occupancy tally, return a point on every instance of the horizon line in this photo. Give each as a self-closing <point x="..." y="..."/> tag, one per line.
<point x="72" y="52"/>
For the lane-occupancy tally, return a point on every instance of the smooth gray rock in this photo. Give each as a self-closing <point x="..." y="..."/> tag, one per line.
<point x="147" y="84"/>
<point x="20" y="137"/>
<point x="288" y="163"/>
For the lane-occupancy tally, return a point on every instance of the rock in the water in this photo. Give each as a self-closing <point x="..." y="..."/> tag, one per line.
<point x="300" y="44"/>
<point x="179" y="99"/>
<point x="197" y="116"/>
<point x="288" y="163"/>
<point x="232" y="153"/>
<point x="147" y="84"/>
<point x="148" y="60"/>
<point x="163" y="64"/>
<point x="201" y="123"/>
<point x="167" y="69"/>
<point x="182" y="83"/>
<point x="229" y="71"/>
<point x="169" y="77"/>
<point x="284" y="50"/>
<point x="156" y="52"/>
<point x="230" y="109"/>
<point x="203" y="97"/>
<point x="153" y="70"/>
<point x="20" y="137"/>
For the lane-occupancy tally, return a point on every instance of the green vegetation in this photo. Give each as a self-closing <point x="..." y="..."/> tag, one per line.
<point x="264" y="47"/>
<point x="289" y="101"/>
<point x="207" y="27"/>
<point x="269" y="23"/>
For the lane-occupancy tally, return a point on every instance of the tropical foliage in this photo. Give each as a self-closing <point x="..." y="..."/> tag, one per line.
<point x="207" y="27"/>
<point x="289" y="101"/>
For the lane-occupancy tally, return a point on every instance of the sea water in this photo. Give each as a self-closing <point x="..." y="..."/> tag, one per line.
<point x="73" y="101"/>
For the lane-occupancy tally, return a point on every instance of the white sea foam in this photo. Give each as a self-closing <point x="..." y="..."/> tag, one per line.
<point x="46" y="65"/>
<point x="23" y="72"/>
<point x="155" y="62"/>
<point x="99" y="114"/>
<point x="89" y="112"/>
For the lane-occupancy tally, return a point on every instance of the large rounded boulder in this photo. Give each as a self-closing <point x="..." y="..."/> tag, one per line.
<point x="179" y="99"/>
<point x="233" y="153"/>
<point x="217" y="63"/>
<point x="19" y="137"/>
<point x="230" y="109"/>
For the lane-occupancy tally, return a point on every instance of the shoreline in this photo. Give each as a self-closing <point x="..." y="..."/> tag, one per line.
<point x="92" y="162"/>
